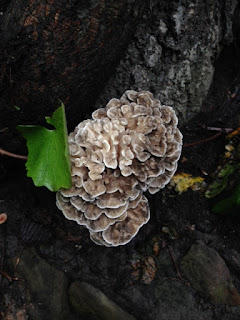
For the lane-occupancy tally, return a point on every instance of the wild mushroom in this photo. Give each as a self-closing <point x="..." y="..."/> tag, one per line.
<point x="129" y="147"/>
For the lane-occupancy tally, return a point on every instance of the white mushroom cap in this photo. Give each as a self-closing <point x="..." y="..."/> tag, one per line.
<point x="123" y="231"/>
<point x="129" y="147"/>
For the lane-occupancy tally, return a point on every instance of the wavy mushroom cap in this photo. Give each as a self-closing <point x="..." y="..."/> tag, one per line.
<point x="130" y="146"/>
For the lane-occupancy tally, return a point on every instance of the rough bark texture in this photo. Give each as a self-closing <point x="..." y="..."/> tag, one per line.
<point x="174" y="51"/>
<point x="55" y="49"/>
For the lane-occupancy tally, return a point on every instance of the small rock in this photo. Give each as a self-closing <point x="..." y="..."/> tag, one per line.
<point x="47" y="287"/>
<point x="89" y="301"/>
<point x="207" y="272"/>
<point x="175" y="300"/>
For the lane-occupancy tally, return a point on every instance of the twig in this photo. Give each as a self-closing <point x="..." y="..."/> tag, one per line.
<point x="3" y="130"/>
<point x="174" y="262"/>
<point x="7" y="276"/>
<point x="202" y="141"/>
<point x="18" y="260"/>
<point x="12" y="155"/>
<point x="224" y="130"/>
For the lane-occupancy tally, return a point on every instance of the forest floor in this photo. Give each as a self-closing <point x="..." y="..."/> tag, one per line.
<point x="184" y="264"/>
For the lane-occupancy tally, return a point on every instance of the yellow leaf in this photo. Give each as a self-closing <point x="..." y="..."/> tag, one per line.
<point x="183" y="181"/>
<point x="234" y="133"/>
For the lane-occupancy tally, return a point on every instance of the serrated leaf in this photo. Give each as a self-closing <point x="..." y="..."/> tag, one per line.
<point x="48" y="161"/>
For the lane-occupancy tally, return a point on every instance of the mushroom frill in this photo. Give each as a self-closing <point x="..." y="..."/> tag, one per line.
<point x="129" y="147"/>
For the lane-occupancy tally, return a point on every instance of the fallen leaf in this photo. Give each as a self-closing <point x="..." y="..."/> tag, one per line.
<point x="234" y="133"/>
<point x="149" y="270"/>
<point x="221" y="181"/>
<point x="183" y="181"/>
<point x="230" y="204"/>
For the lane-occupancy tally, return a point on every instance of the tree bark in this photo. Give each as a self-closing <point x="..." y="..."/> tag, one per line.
<point x="174" y="52"/>
<point x="87" y="52"/>
<point x="57" y="49"/>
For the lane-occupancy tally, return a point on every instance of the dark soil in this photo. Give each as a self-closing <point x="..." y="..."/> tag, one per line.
<point x="35" y="223"/>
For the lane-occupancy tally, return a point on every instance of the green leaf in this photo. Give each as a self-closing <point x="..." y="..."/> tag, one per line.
<point x="48" y="161"/>
<point x="220" y="183"/>
<point x="229" y="204"/>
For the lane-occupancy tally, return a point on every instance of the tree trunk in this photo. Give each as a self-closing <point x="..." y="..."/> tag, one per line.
<point x="55" y="49"/>
<point x="79" y="52"/>
<point x="174" y="52"/>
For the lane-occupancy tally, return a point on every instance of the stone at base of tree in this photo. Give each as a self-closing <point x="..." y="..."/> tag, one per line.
<point x="207" y="272"/>
<point x="90" y="301"/>
<point x="46" y="287"/>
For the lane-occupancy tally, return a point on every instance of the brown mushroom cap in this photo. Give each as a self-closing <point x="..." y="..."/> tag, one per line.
<point x="130" y="146"/>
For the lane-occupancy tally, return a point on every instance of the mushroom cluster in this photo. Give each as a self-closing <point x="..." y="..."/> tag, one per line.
<point x="129" y="147"/>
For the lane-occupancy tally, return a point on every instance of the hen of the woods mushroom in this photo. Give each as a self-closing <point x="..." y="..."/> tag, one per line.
<point x="129" y="147"/>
